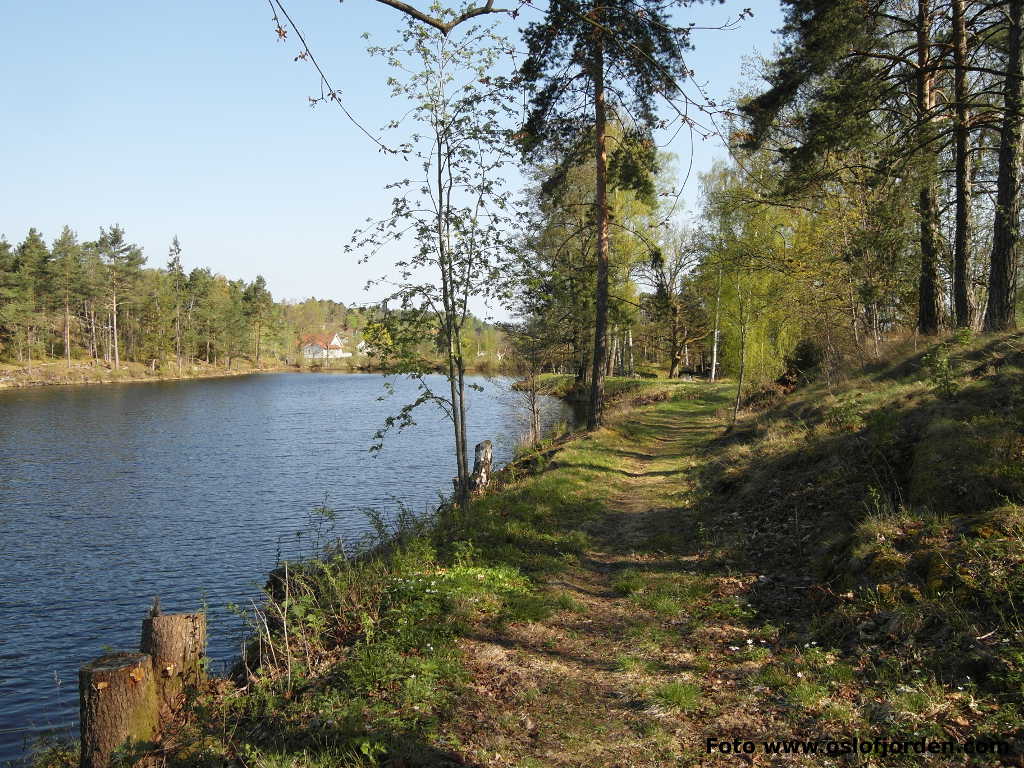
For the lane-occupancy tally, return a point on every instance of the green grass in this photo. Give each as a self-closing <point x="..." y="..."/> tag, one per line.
<point x="681" y="696"/>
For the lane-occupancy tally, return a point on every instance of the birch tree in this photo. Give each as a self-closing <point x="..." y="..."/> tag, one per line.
<point x="455" y="211"/>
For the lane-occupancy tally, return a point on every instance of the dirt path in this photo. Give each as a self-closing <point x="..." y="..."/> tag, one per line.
<point x="652" y="648"/>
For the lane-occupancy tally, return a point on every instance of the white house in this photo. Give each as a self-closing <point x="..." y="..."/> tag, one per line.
<point x="324" y="346"/>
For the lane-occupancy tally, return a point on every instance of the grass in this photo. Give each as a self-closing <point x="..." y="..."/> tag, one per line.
<point x="685" y="697"/>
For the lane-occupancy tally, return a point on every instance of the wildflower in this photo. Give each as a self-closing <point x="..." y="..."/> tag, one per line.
<point x="800" y="674"/>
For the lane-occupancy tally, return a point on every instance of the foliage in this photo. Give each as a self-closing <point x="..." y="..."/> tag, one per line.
<point x="456" y="212"/>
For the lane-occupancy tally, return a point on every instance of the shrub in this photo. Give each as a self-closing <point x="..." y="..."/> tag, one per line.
<point x="941" y="372"/>
<point x="802" y="364"/>
<point x="846" y="415"/>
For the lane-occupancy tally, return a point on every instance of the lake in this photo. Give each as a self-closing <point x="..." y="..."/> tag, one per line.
<point x="189" y="490"/>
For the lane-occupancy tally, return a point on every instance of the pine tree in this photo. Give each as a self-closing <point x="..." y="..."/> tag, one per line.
<point x="176" y="275"/>
<point x="601" y="56"/>
<point x="844" y="72"/>
<point x="31" y="272"/>
<point x="258" y="303"/>
<point x="66" y="269"/>
<point x="1002" y="287"/>
<point x="123" y="261"/>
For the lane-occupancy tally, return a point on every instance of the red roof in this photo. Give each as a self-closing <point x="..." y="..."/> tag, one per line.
<point x="322" y="340"/>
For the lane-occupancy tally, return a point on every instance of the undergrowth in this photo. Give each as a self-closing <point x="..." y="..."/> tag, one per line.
<point x="886" y="517"/>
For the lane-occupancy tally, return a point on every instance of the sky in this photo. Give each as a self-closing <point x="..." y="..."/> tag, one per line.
<point x="192" y="119"/>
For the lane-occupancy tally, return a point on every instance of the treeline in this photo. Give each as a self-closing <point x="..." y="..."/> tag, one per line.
<point x="873" y="192"/>
<point x="904" y="119"/>
<point x="98" y="300"/>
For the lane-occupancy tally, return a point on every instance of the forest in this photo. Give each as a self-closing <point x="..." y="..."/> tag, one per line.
<point x="873" y="192"/>
<point x="87" y="301"/>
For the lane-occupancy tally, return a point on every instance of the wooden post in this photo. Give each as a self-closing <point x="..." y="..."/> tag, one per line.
<point x="481" y="466"/>
<point x="176" y="642"/>
<point x="118" y="706"/>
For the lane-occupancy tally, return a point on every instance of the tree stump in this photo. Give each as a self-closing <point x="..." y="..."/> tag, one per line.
<point x="481" y="466"/>
<point x="118" y="707"/>
<point x="176" y="642"/>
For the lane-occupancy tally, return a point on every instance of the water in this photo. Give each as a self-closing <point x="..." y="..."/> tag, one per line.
<point x="112" y="494"/>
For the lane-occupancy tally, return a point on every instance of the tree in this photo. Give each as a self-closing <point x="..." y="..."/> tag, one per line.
<point x="177" y="277"/>
<point x="122" y="261"/>
<point x="456" y="212"/>
<point x="844" y="70"/>
<point x="1002" y="285"/>
<point x="66" y="266"/>
<point x="619" y="55"/>
<point x="26" y="310"/>
<point x="673" y="304"/>
<point x="258" y="303"/>
<point x="962" y="131"/>
<point x="531" y="352"/>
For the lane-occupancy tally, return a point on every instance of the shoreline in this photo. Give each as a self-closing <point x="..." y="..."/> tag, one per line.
<point x="137" y="373"/>
<point x="90" y="375"/>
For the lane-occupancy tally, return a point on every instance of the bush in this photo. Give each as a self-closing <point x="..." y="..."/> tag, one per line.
<point x="941" y="371"/>
<point x="846" y="415"/>
<point x="802" y="364"/>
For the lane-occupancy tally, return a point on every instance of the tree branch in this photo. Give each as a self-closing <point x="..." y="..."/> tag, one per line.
<point x="442" y="26"/>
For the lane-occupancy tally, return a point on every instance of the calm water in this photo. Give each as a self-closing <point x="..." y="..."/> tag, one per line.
<point x="110" y="495"/>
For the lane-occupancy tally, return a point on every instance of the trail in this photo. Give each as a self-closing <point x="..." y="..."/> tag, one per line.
<point x="654" y="650"/>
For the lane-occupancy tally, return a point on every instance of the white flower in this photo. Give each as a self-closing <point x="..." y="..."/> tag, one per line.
<point x="800" y="674"/>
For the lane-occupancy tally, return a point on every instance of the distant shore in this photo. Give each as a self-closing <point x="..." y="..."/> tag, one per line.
<point x="57" y="373"/>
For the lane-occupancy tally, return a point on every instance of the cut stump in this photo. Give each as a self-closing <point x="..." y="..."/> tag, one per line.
<point x="482" y="460"/>
<point x="118" y="707"/>
<point x="176" y="642"/>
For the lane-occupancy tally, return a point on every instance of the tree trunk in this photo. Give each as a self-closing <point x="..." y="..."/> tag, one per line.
<point x="613" y="346"/>
<point x="118" y="707"/>
<point x="601" y="215"/>
<point x="1002" y="282"/>
<point x="742" y="372"/>
<point x="714" y="342"/>
<point x="177" y="335"/>
<point x="94" y="345"/>
<point x="962" y="136"/>
<point x="176" y="642"/>
<point x="113" y="320"/>
<point x="482" y="460"/>
<point x="928" y="285"/>
<point x="67" y="329"/>
<point x="534" y="411"/>
<point x="630" y="363"/>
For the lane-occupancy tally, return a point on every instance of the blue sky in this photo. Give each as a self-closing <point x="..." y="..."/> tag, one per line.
<point x="190" y="118"/>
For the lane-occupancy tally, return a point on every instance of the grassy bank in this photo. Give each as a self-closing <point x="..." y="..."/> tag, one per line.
<point x="845" y="564"/>
<point x="14" y="376"/>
